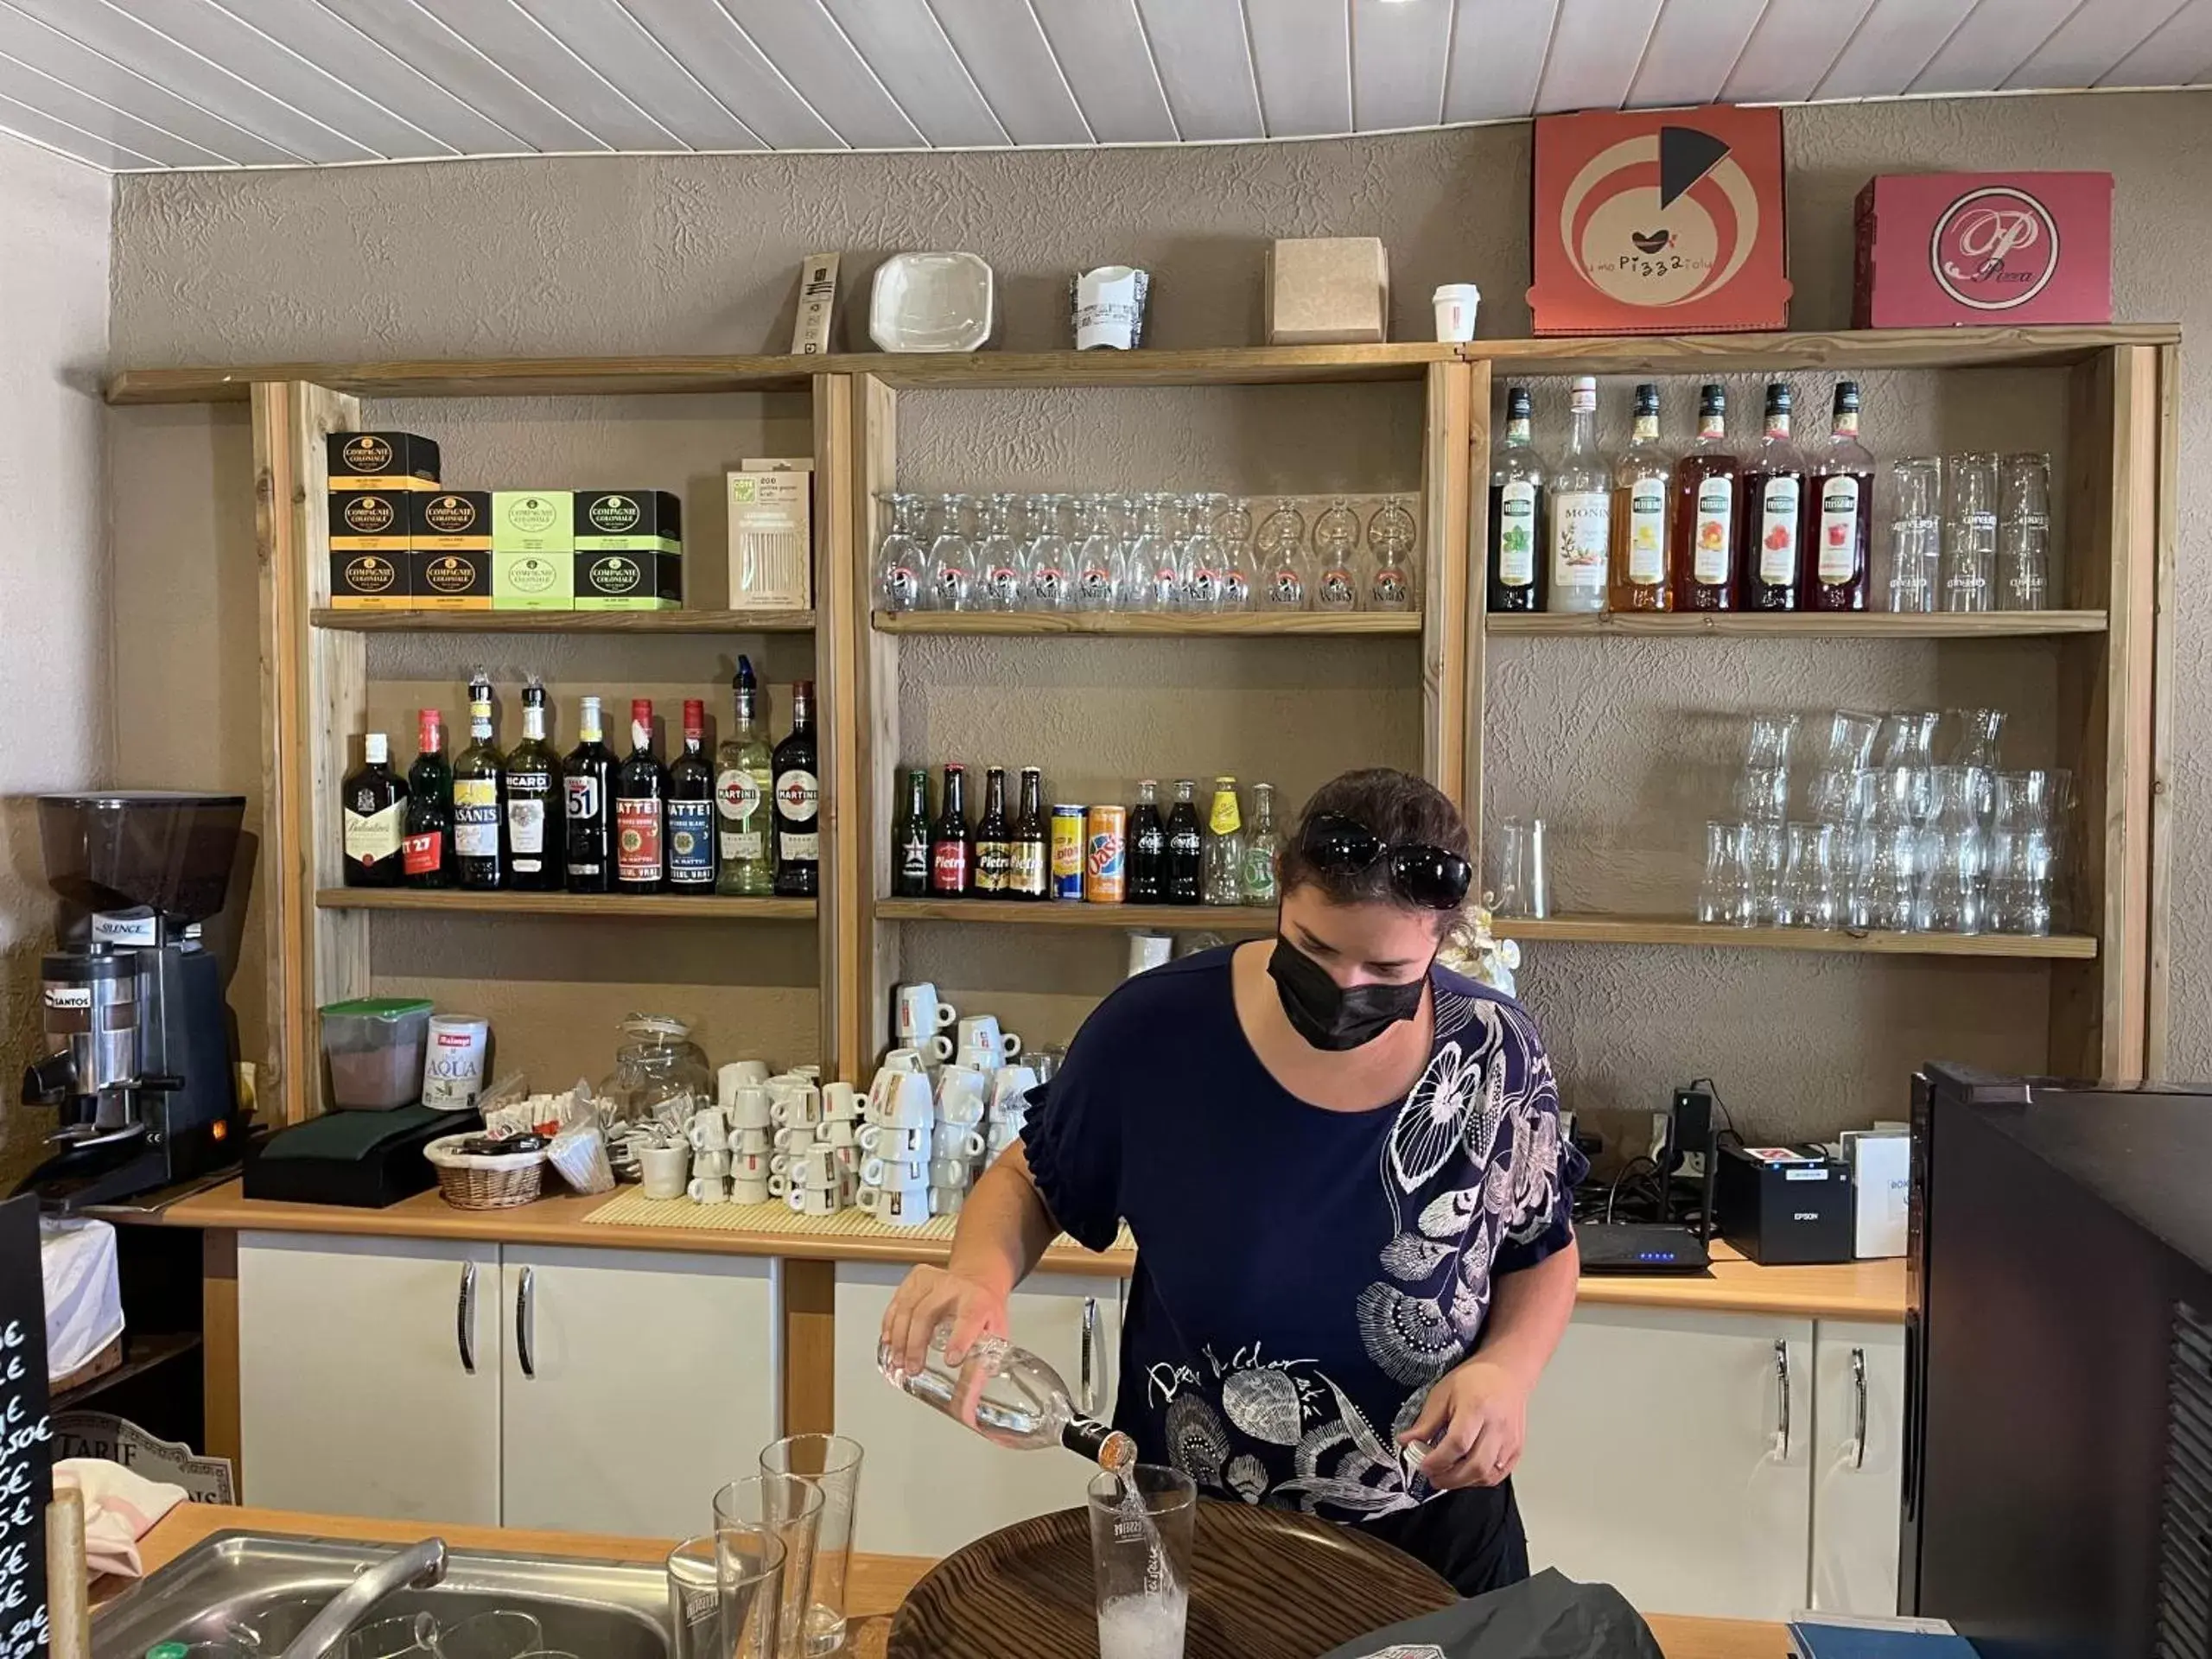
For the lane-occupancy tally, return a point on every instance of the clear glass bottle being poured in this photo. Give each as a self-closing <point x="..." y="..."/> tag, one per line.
<point x="1009" y="1397"/>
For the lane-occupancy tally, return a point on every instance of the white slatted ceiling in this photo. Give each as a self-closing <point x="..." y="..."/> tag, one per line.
<point x="150" y="84"/>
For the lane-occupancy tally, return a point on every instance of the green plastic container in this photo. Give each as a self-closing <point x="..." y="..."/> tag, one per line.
<point x="372" y="1050"/>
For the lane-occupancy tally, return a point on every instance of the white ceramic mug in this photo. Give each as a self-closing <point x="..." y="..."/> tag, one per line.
<point x="754" y="1166"/>
<point x="707" y="1189"/>
<point x="895" y="1206"/>
<point x="892" y="1140"/>
<point x="937" y="1050"/>
<point x="960" y="1088"/>
<point x="948" y="1172"/>
<point x="751" y="1190"/>
<point x="666" y="1170"/>
<point x="706" y="1132"/>
<point x="901" y="1059"/>
<point x="839" y="1132"/>
<point x="739" y="1074"/>
<point x="815" y="1200"/>
<point x="1010" y="1087"/>
<point x="816" y="1165"/>
<point x="751" y="1107"/>
<point x="947" y="1200"/>
<point x="960" y="1111"/>
<point x="916" y="1011"/>
<point x="905" y="1103"/>
<point x="982" y="1031"/>
<point x="895" y="1172"/>
<point x="796" y="1138"/>
<point x="711" y="1163"/>
<point x="759" y="1140"/>
<point x="841" y="1103"/>
<point x="799" y="1106"/>
<point x="959" y="1140"/>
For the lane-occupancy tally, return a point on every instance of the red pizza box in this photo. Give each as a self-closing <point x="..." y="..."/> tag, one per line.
<point x="1655" y="222"/>
<point x="1946" y="249"/>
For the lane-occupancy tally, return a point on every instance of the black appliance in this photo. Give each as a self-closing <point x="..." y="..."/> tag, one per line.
<point x="1786" y="1206"/>
<point x="2058" y="1356"/>
<point x="140" y="1051"/>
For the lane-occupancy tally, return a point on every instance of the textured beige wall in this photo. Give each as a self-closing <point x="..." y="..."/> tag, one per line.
<point x="646" y="255"/>
<point x="53" y="586"/>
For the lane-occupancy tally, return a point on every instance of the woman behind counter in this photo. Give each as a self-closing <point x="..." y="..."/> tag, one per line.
<point x="1343" y="1167"/>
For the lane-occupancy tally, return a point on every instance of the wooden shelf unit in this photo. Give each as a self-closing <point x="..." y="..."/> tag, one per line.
<point x="2108" y="983"/>
<point x="608" y="906"/>
<point x="1226" y="625"/>
<point x="1680" y="930"/>
<point x="1746" y="624"/>
<point x="1141" y="918"/>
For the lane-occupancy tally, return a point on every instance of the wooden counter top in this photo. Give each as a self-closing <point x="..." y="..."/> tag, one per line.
<point x="877" y="1585"/>
<point x="1869" y="1291"/>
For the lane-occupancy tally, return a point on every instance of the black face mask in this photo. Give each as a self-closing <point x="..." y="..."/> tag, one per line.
<point x="1327" y="1014"/>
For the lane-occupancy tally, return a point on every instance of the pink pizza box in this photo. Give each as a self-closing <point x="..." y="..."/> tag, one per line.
<point x="1945" y="249"/>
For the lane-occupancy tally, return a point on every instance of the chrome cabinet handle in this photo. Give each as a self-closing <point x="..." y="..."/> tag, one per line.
<point x="1859" y="1393"/>
<point x="465" y="1317"/>
<point x="523" y="1321"/>
<point x="1088" y="1382"/>
<point x="1782" y="1395"/>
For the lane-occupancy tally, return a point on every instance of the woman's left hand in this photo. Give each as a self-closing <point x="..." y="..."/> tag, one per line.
<point x="1473" y="1422"/>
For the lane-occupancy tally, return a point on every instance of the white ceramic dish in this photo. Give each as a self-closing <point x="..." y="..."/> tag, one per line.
<point x="931" y="302"/>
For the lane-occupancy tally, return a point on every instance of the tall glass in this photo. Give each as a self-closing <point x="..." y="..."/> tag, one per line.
<point x="831" y="1463"/>
<point x="1233" y="528"/>
<point x="998" y="578"/>
<point x="2022" y="854"/>
<point x="1390" y="536"/>
<point x="1916" y="532"/>
<point x="1954" y="884"/>
<point x="1970" y="534"/>
<point x="953" y="586"/>
<point x="1520" y="885"/>
<point x="1049" y="566"/>
<point x="1201" y="561"/>
<point x="1725" y="897"/>
<point x="1885" y="867"/>
<point x="901" y="559"/>
<point x="789" y="1510"/>
<point x="1849" y="747"/>
<point x="1808" y="896"/>
<point x="1286" y="572"/>
<point x="725" y="1595"/>
<point x="1100" y="567"/>
<point x="2024" y="535"/>
<point x="1143" y="1536"/>
<point x="1336" y="545"/>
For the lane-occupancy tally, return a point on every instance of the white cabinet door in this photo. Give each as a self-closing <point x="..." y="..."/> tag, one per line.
<point x="1656" y="1459"/>
<point x="636" y="1383"/>
<point x="931" y="1486"/>
<point x="369" y="1376"/>
<point x="1858" y="1466"/>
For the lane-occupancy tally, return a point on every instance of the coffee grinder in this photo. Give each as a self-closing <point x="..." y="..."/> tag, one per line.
<point x="139" y="1050"/>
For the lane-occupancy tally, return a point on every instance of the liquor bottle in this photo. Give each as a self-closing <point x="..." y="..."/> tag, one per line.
<point x="1224" y="846"/>
<point x="532" y="800"/>
<point x="952" y="851"/>
<point x="1517" y="543"/>
<point x="1146" y="854"/>
<point x="428" y="846"/>
<point x="1260" y="847"/>
<point x="1029" y="868"/>
<point x="588" y="787"/>
<point x="477" y="842"/>
<point x="1582" y="510"/>
<point x="1768" y="529"/>
<point x="1841" y="513"/>
<point x="1641" y="477"/>
<point x="909" y="839"/>
<point x="373" y="803"/>
<point x="798" y="802"/>
<point x="1185" y="861"/>
<point x="691" y="808"/>
<point x="1706" y="483"/>
<point x="1010" y="1397"/>
<point x="993" y="836"/>
<point x="640" y="809"/>
<point x="744" y="785"/>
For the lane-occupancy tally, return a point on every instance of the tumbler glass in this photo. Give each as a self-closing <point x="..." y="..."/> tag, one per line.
<point x="831" y="1463"/>
<point x="1143" y="1529"/>
<point x="1916" y="532"/>
<point x="1850" y="744"/>
<point x="1974" y="736"/>
<point x="789" y="1510"/>
<point x="1769" y="740"/>
<point x="1886" y="865"/>
<point x="2021" y="861"/>
<point x="1970" y="534"/>
<point x="1726" y="896"/>
<point x="2023" y="534"/>
<point x="725" y="1593"/>
<point x="1769" y="847"/>
<point x="1807" y="897"/>
<point x="1954" y="884"/>
<point x="1520" y="885"/>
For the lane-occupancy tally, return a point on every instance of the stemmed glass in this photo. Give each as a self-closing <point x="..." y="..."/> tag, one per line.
<point x="1390" y="536"/>
<point x="1049" y="583"/>
<point x="1285" y="577"/>
<point x="1200" y="573"/>
<point x="1335" y="540"/>
<point x="1099" y="573"/>
<point x="900" y="561"/>
<point x="1232" y="527"/>
<point x="952" y="558"/>
<point x="998" y="555"/>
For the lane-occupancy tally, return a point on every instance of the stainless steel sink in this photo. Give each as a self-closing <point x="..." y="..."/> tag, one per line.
<point x="272" y="1586"/>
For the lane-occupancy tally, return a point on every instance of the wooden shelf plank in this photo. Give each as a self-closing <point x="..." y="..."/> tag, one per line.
<point x="1858" y="624"/>
<point x="618" y="905"/>
<point x="1673" y="931"/>
<point x="565" y="621"/>
<point x="1249" y="365"/>
<point x="1158" y="918"/>
<point x="1238" y="623"/>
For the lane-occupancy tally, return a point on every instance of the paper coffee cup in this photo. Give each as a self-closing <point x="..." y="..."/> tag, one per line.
<point x="1455" y="303"/>
<point x="1110" y="308"/>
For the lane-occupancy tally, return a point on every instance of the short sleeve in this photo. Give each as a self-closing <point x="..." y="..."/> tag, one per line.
<point x="1539" y="1221"/>
<point x="1073" y="1139"/>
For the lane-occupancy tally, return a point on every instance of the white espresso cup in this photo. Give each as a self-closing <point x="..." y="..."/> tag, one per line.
<point x="959" y="1089"/>
<point x="816" y="1166"/>
<point x="908" y="1058"/>
<point x="947" y="1200"/>
<point x="707" y="1189"/>
<point x="711" y="1163"/>
<point x="1010" y="1087"/>
<point x="841" y="1103"/>
<point x="751" y="1107"/>
<point x="750" y="1190"/>
<point x="959" y="1140"/>
<point x="739" y="1074"/>
<point x="891" y="1141"/>
<point x="905" y="1103"/>
<point x="815" y="1200"/>
<point x="895" y="1172"/>
<point x="706" y="1132"/>
<point x="666" y="1170"/>
<point x="839" y="1132"/>
<point x="799" y="1106"/>
<point x="916" y="1011"/>
<point x="895" y="1206"/>
<point x="760" y="1140"/>
<point x="981" y="1031"/>
<point x="752" y="1166"/>
<point x="796" y="1138"/>
<point x="948" y="1172"/>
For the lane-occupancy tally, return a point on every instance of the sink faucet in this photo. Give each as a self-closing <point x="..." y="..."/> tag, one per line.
<point x="417" y="1567"/>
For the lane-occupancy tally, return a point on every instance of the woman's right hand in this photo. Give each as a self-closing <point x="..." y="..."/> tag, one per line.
<point x="931" y="1297"/>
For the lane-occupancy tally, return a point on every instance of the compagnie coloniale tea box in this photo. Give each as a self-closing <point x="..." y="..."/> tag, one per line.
<point x="374" y="479"/>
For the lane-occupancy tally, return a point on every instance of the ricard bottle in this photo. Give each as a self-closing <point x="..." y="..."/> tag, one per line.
<point x="1011" y="1398"/>
<point x="530" y="793"/>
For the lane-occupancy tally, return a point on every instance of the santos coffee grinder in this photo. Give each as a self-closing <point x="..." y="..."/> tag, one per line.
<point x="139" y="1050"/>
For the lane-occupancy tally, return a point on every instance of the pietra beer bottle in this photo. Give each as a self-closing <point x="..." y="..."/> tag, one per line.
<point x="1028" y="872"/>
<point x="993" y="854"/>
<point x="952" y="854"/>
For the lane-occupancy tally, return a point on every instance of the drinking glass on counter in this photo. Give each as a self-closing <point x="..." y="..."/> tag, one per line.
<point x="725" y="1595"/>
<point x="1969" y="569"/>
<point x="2023" y="533"/>
<point x="788" y="1511"/>
<point x="1143" y="1531"/>
<point x="830" y="1463"/>
<point x="1916" y="532"/>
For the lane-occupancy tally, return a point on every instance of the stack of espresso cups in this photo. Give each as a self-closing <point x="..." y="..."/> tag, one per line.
<point x="812" y="1167"/>
<point x="896" y="1140"/>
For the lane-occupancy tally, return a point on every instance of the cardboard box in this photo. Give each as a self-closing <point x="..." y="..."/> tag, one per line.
<point x="772" y="536"/>
<point x="369" y="580"/>
<point x="615" y="521"/>
<point x="382" y="461"/>
<point x="1947" y="249"/>
<point x="1322" y="289"/>
<point x="1659" y="222"/>
<point x="451" y="521"/>
<point x="817" y="298"/>
<point x="533" y="582"/>
<point x="454" y="579"/>
<point x="627" y="580"/>
<point x="533" y="521"/>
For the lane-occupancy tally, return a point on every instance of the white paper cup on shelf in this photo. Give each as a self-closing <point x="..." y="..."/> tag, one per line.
<point x="453" y="1061"/>
<point x="1109" y="308"/>
<point x="1455" y="310"/>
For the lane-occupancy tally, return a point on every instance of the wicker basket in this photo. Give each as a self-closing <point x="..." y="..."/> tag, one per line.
<point x="476" y="1180"/>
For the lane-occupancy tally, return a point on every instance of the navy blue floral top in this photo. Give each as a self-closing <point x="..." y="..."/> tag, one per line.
<point x="1302" y="1276"/>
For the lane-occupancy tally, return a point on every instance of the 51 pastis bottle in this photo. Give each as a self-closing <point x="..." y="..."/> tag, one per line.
<point x="588" y="780"/>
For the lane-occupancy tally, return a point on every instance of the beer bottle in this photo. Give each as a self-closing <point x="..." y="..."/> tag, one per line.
<point x="994" y="855"/>
<point x="1147" y="850"/>
<point x="952" y="853"/>
<point x="1029" y="873"/>
<point x="909" y="840"/>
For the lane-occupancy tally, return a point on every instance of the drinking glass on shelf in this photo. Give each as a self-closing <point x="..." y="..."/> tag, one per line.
<point x="1201" y="572"/>
<point x="1974" y="736"/>
<point x="952" y="558"/>
<point x="1808" y="896"/>
<point x="1763" y="794"/>
<point x="1285" y="574"/>
<point x="998" y="555"/>
<point x="1769" y="739"/>
<point x="788" y="1511"/>
<point x="901" y="560"/>
<point x="1970" y="534"/>
<point x="1520" y="885"/>
<point x="1886" y="864"/>
<point x="1725" y="898"/>
<point x="1336" y="545"/>
<point x="1152" y="555"/>
<point x="1844" y="754"/>
<point x="1100" y="567"/>
<point x="1916" y="532"/>
<point x="1954" y="884"/>
<point x="1232" y="527"/>
<point x="831" y="1463"/>
<point x="1908" y="739"/>
<point x="1390" y="536"/>
<point x="1769" y="855"/>
<point x="2023" y="534"/>
<point x="2022" y="861"/>
<point x="1048" y="582"/>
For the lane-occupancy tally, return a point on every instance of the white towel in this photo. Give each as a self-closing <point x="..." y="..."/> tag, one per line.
<point x="120" y="1509"/>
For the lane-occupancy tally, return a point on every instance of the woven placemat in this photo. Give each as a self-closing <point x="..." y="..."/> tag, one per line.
<point x="632" y="1208"/>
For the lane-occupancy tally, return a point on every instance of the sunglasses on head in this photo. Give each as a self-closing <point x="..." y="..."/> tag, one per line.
<point x="1429" y="877"/>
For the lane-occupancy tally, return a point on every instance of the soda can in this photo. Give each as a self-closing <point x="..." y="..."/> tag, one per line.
<point x="1106" y="860"/>
<point x="1067" y="852"/>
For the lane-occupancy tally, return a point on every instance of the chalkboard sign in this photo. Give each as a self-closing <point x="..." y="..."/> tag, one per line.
<point x="26" y="1457"/>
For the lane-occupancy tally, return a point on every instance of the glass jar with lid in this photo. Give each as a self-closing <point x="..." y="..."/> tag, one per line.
<point x="657" y="1062"/>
